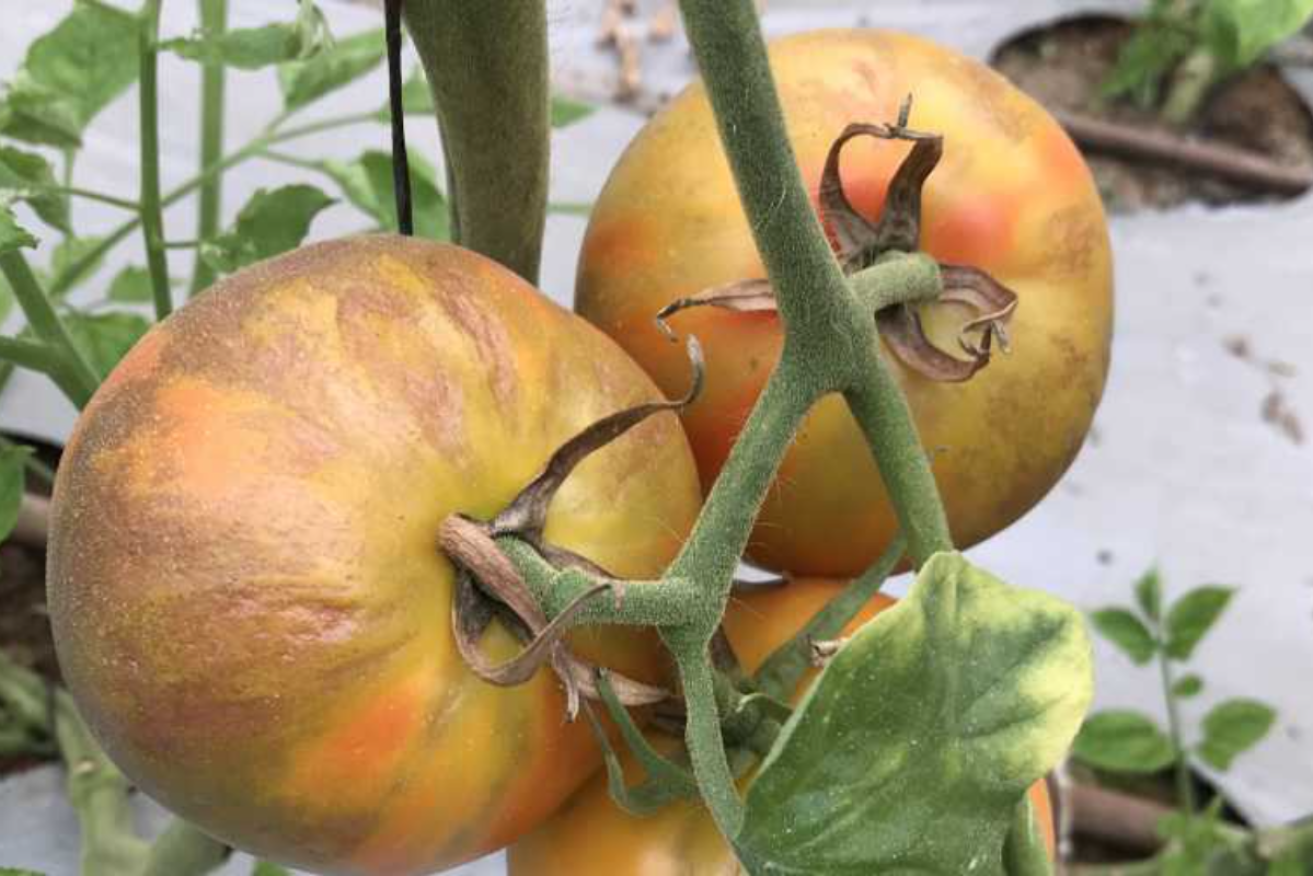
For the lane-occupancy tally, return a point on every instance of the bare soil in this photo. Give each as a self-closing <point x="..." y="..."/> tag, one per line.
<point x="1063" y="66"/>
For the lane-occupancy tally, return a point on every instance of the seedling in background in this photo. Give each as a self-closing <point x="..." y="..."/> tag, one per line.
<point x="1127" y="741"/>
<point x="1182" y="48"/>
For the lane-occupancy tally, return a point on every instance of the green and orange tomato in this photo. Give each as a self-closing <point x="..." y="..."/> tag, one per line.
<point x="248" y="597"/>
<point x="1011" y="196"/>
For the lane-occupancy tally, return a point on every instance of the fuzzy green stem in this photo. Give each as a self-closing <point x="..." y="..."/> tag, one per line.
<point x="32" y="355"/>
<point x="721" y="533"/>
<point x="881" y="411"/>
<point x="70" y="275"/>
<point x="706" y="747"/>
<point x="152" y="217"/>
<point x="75" y="376"/>
<point x="644" y="603"/>
<point x="487" y="66"/>
<point x="1181" y="764"/>
<point x="214" y="21"/>
<point x="183" y="850"/>
<point x="898" y="278"/>
<point x="88" y="194"/>
<point x="813" y="299"/>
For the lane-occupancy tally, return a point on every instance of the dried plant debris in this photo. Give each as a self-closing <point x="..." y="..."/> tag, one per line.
<point x="1275" y="409"/>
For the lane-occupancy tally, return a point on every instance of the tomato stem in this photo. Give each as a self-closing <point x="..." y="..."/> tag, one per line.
<point x="214" y="21"/>
<point x="70" y="370"/>
<point x="152" y="217"/>
<point x="487" y="67"/>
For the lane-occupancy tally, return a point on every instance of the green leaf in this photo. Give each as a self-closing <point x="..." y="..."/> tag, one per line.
<point x="12" y="478"/>
<point x="1233" y="727"/>
<point x="69" y="252"/>
<point x="566" y="111"/>
<point x="367" y="183"/>
<point x="255" y="47"/>
<point x="1155" y="47"/>
<point x="1125" y="630"/>
<point x="1123" y="741"/>
<point x="1239" y="32"/>
<point x="28" y="177"/>
<point x="1149" y="594"/>
<point x="70" y="74"/>
<point x="105" y="337"/>
<point x="132" y="285"/>
<point x="272" y="222"/>
<point x="264" y="868"/>
<point x="330" y="69"/>
<point x="913" y="748"/>
<point x="10" y="871"/>
<point x="13" y="236"/>
<point x="416" y="98"/>
<point x="1192" y="616"/>
<point x="1188" y="686"/>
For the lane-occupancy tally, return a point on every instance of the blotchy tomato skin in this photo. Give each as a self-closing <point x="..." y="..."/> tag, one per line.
<point x="591" y="836"/>
<point x="1011" y="196"/>
<point x="247" y="595"/>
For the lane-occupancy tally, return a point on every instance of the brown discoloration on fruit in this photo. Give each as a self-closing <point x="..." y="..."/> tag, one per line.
<point x="244" y="581"/>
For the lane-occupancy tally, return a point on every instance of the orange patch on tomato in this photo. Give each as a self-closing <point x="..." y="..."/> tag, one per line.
<point x="360" y="756"/>
<point x="195" y="414"/>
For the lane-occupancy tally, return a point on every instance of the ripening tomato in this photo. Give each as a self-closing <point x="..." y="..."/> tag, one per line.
<point x="248" y="598"/>
<point x="591" y="836"/>
<point x="1011" y="196"/>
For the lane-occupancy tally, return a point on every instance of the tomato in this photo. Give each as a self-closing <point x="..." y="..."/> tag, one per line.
<point x="248" y="599"/>
<point x="591" y="836"/>
<point x="1011" y="196"/>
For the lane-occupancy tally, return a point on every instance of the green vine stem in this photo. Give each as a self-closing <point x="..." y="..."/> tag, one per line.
<point x="73" y="373"/>
<point x="151" y="210"/>
<point x="271" y="136"/>
<point x="814" y="301"/>
<point x="1181" y="765"/>
<point x="487" y="67"/>
<point x="214" y="21"/>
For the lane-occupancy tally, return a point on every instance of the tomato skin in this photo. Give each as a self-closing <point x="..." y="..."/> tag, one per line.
<point x="591" y="836"/>
<point x="1012" y="196"/>
<point x="247" y="596"/>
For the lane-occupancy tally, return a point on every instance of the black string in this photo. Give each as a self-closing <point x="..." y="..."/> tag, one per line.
<point x="400" y="164"/>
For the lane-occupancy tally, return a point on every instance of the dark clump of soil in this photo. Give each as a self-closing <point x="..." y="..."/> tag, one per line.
<point x="1063" y="65"/>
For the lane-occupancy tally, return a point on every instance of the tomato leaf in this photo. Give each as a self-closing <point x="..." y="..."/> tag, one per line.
<point x="565" y="111"/>
<point x="1192" y="616"/>
<point x="105" y="337"/>
<point x="28" y="177"/>
<point x="1188" y="686"/>
<point x="13" y="236"/>
<point x="1232" y="728"/>
<point x="367" y="183"/>
<point x="132" y="285"/>
<point x="1126" y="631"/>
<point x="913" y="748"/>
<point x="10" y="871"/>
<point x="1239" y="32"/>
<point x="256" y="47"/>
<point x="12" y="478"/>
<point x="70" y="74"/>
<point x="1123" y="741"/>
<point x="272" y="222"/>
<point x="305" y="81"/>
<point x="1149" y="594"/>
<point x="69" y="252"/>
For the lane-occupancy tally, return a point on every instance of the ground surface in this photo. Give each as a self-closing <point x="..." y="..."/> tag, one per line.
<point x="1199" y="461"/>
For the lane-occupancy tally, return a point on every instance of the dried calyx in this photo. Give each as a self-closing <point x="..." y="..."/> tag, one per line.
<point x="859" y="244"/>
<point x="488" y="585"/>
